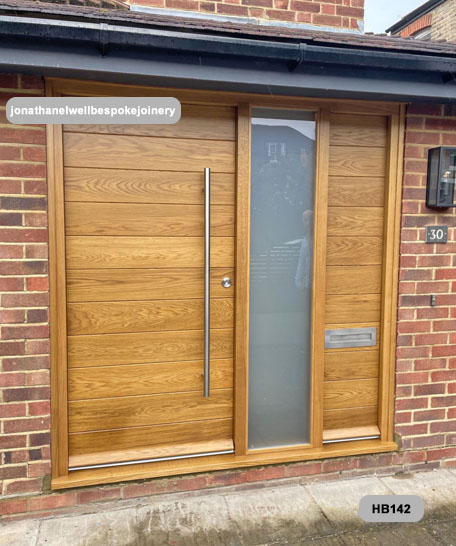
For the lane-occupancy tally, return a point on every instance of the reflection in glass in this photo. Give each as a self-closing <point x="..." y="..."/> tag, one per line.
<point x="282" y="182"/>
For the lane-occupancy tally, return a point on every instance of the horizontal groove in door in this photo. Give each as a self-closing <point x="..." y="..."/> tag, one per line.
<point x="149" y="220"/>
<point x="201" y="122"/>
<point x="146" y="316"/>
<point x="357" y="161"/>
<point x="350" y="394"/>
<point x="144" y="284"/>
<point x="108" y="443"/>
<point x="147" y="186"/>
<point x="351" y="365"/>
<point x="86" y="150"/>
<point x="347" y="191"/>
<point x="137" y="348"/>
<point x="354" y="221"/>
<point x="156" y="409"/>
<point x="353" y="308"/>
<point x="350" y="417"/>
<point x="146" y="252"/>
<point x="354" y="251"/>
<point x="354" y="130"/>
<point x="142" y="379"/>
<point x="345" y="280"/>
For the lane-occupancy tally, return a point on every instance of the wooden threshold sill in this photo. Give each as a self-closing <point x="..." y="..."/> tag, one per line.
<point x="84" y="478"/>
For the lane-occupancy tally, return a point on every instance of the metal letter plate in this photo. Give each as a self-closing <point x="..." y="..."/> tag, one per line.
<point x="350" y="337"/>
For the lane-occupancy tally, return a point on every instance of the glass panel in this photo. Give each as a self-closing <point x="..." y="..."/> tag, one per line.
<point x="282" y="189"/>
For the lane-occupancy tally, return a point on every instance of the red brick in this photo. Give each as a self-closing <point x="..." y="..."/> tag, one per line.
<point x="39" y="408"/>
<point x="407" y="457"/>
<point x="11" y="251"/>
<point x="38" y="378"/>
<point x="50" y="502"/>
<point x="35" y="187"/>
<point x="268" y="473"/>
<point x="38" y="283"/>
<point x="230" y="478"/>
<point x="428" y="441"/>
<point x="432" y="388"/>
<point x="437" y="124"/>
<point x="12" y="442"/>
<point x="39" y="469"/>
<point x="36" y="251"/>
<point x="23" y="394"/>
<point x="143" y="489"/>
<point x="26" y="425"/>
<point x="32" y="82"/>
<point x="411" y="403"/>
<point x="38" y="347"/>
<point x="443" y="426"/>
<point x="9" y="80"/>
<point x="29" y="235"/>
<point x="26" y="363"/>
<point x="384" y="459"/>
<point x="23" y="486"/>
<point x="13" y="506"/>
<point x="25" y="300"/>
<point x="432" y="313"/>
<point x="12" y="472"/>
<point x="434" y="261"/>
<point x="412" y="378"/>
<point x="22" y="170"/>
<point x="12" y="410"/>
<point x="424" y="109"/>
<point x="444" y="350"/>
<point x="281" y="15"/>
<point x="10" y="218"/>
<point x="37" y="315"/>
<point x="10" y="348"/>
<point x="40" y="439"/>
<point x="413" y="352"/>
<point x="306" y="469"/>
<point x="327" y="20"/>
<point x="26" y="267"/>
<point x="191" y="484"/>
<point x="307" y="7"/>
<point x="428" y="415"/>
<point x="412" y="430"/>
<point x="339" y="465"/>
<point x="416" y="326"/>
<point x="12" y="379"/>
<point x="443" y="401"/>
<point x="430" y="339"/>
<point x="97" y="495"/>
<point x="10" y="186"/>
<point x="25" y="332"/>
<point x="437" y="454"/>
<point x="31" y="153"/>
<point x="11" y="284"/>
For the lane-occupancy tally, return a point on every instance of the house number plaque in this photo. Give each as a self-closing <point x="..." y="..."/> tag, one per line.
<point x="436" y="234"/>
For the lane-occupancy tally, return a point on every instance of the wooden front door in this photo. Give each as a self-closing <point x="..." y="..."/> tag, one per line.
<point x="134" y="237"/>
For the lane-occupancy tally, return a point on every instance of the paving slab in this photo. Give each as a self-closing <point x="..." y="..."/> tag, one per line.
<point x="21" y="533"/>
<point x="282" y="513"/>
<point x="189" y="522"/>
<point x="340" y="500"/>
<point x="399" y="535"/>
<point x="437" y="488"/>
<point x="117" y="527"/>
<point x="444" y="532"/>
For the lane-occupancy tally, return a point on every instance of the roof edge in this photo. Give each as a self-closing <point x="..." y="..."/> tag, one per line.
<point x="414" y="15"/>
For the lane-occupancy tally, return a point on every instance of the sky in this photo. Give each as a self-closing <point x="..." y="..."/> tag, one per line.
<point x="381" y="14"/>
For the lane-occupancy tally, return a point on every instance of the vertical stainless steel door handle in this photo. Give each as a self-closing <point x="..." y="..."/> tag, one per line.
<point x="207" y="280"/>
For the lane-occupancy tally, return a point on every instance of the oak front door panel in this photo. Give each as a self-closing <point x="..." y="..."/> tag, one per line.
<point x="134" y="239"/>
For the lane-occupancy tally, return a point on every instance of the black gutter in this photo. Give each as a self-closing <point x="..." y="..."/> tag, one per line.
<point x="292" y="52"/>
<point x="414" y="15"/>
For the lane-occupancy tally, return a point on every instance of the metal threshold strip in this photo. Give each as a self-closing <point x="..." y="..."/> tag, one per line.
<point x="356" y="438"/>
<point x="156" y="460"/>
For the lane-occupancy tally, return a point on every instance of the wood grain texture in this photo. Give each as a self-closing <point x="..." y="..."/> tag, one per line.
<point x="136" y="186"/>
<point x="160" y="154"/>
<point x="351" y="417"/>
<point x="103" y="252"/>
<point x="241" y="328"/>
<point x="340" y="366"/>
<point x="57" y="308"/>
<point x="357" y="161"/>
<point x="354" y="250"/>
<point x="146" y="316"/>
<point x="353" y="308"/>
<point x="344" y="280"/>
<point x="141" y="379"/>
<point x="319" y="276"/>
<point x="346" y="191"/>
<point x="350" y="394"/>
<point x="355" y="221"/>
<point x="351" y="433"/>
<point x="136" y="348"/>
<point x="144" y="284"/>
<point x="110" y="444"/>
<point x="194" y="447"/>
<point x="353" y="130"/>
<point x="156" y="409"/>
<point x="149" y="220"/>
<point x="201" y="122"/>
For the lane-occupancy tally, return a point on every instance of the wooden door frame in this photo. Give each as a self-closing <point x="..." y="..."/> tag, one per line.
<point x="242" y="457"/>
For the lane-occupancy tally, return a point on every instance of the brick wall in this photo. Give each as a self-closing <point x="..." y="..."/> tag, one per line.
<point x="444" y="22"/>
<point x="24" y="343"/>
<point x="338" y="14"/>
<point x="426" y="355"/>
<point x="420" y="24"/>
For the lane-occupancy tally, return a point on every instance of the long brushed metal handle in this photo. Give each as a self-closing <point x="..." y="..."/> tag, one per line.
<point x="207" y="280"/>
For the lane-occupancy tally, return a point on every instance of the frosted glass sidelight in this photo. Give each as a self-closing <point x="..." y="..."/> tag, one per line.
<point x="281" y="252"/>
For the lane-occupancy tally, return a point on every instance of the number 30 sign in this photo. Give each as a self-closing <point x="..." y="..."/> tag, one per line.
<point x="436" y="234"/>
